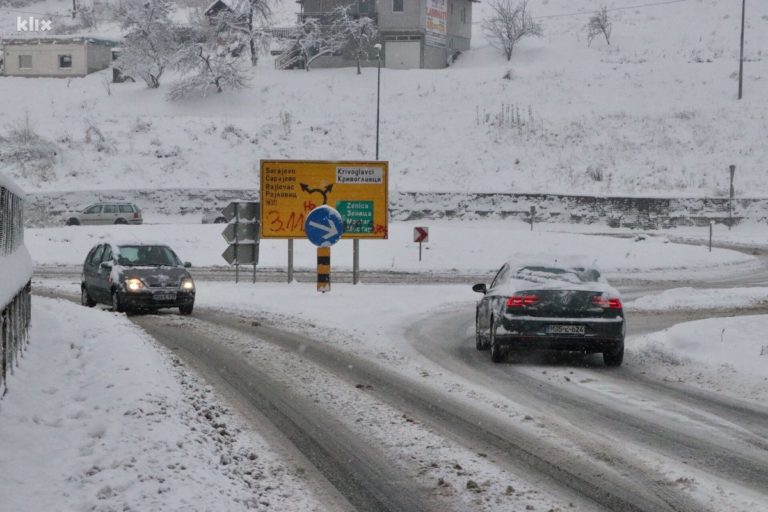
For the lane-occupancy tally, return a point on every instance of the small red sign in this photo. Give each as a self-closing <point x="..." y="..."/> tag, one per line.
<point x="421" y="235"/>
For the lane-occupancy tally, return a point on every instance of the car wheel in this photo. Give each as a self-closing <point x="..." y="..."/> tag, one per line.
<point x="186" y="310"/>
<point x="497" y="353"/>
<point x="117" y="305"/>
<point x="85" y="298"/>
<point x="73" y="222"/>
<point x="220" y="220"/>
<point x="614" y="357"/>
<point x="121" y="221"/>
<point x="480" y="344"/>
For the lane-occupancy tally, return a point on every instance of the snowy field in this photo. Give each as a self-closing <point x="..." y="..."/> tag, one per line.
<point x="453" y="246"/>
<point x="654" y="113"/>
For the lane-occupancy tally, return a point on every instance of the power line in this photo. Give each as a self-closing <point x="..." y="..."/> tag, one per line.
<point x="582" y="13"/>
<point x="639" y="6"/>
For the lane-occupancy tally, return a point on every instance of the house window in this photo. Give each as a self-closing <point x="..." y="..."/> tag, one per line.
<point x="397" y="5"/>
<point x="463" y="14"/>
<point x="25" y="62"/>
<point x="65" y="61"/>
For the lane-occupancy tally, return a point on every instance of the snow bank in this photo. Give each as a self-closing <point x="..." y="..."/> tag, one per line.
<point x="98" y="419"/>
<point x="729" y="352"/>
<point x="698" y="298"/>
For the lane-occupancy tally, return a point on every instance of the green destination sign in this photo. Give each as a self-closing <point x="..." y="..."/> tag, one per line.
<point x="357" y="216"/>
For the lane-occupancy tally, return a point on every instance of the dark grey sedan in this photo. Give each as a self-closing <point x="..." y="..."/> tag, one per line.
<point x="548" y="307"/>
<point x="135" y="277"/>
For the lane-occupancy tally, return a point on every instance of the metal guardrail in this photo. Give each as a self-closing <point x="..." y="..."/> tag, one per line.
<point x="15" y="315"/>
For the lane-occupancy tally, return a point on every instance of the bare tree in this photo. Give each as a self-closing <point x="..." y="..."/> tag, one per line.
<point x="598" y="24"/>
<point x="508" y="24"/>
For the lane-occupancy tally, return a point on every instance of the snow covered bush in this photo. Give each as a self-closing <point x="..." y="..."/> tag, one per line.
<point x="508" y="23"/>
<point x="599" y="23"/>
<point x="23" y="148"/>
<point x="150" y="44"/>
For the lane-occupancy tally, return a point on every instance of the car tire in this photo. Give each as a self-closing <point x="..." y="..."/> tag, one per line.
<point x="73" y="222"/>
<point x="121" y="221"/>
<point x="117" y="304"/>
<point x="220" y="220"/>
<point x="497" y="353"/>
<point x="480" y="344"/>
<point x="614" y="357"/>
<point x="85" y="297"/>
<point x="186" y="310"/>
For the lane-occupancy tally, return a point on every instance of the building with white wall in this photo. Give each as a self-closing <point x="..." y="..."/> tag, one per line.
<point x="54" y="56"/>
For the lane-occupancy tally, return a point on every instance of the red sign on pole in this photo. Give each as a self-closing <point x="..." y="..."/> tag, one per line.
<point x="421" y="235"/>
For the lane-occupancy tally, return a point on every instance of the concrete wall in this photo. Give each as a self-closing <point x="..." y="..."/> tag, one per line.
<point x="98" y="57"/>
<point x="45" y="59"/>
<point x="457" y="29"/>
<point x="633" y="212"/>
<point x="412" y="16"/>
<point x="434" y="58"/>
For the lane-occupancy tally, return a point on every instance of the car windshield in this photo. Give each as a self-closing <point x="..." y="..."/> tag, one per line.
<point x="539" y="274"/>
<point x="147" y="255"/>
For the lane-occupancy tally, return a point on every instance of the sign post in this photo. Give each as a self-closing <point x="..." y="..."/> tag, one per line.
<point x="242" y="235"/>
<point x="291" y="189"/>
<point x="324" y="227"/>
<point x="420" y="235"/>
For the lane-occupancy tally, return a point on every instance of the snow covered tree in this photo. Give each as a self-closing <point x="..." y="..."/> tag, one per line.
<point x="149" y="44"/>
<point x="312" y="40"/>
<point x="208" y="66"/>
<point x="508" y="23"/>
<point x="359" y="33"/>
<point x="598" y="24"/>
<point x="247" y="20"/>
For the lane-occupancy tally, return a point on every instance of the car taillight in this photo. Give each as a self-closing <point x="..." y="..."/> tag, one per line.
<point x="519" y="301"/>
<point x="136" y="215"/>
<point x="607" y="302"/>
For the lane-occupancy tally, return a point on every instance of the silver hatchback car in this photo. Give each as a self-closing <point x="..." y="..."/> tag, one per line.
<point x="106" y="213"/>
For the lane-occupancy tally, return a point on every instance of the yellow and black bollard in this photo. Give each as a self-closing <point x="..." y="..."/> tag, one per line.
<point x="323" y="269"/>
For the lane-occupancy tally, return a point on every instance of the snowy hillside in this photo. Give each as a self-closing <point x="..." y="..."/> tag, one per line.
<point x="654" y="113"/>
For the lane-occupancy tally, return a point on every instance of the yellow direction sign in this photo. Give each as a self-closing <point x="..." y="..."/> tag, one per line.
<point x="290" y="189"/>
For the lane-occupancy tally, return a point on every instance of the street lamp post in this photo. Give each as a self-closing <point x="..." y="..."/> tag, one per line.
<point x="377" y="46"/>
<point x="741" y="47"/>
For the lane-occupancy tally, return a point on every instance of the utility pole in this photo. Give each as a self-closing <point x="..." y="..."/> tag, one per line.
<point x="741" y="52"/>
<point x="74" y="8"/>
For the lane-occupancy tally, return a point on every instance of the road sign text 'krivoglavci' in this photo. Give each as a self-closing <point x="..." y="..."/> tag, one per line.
<point x="290" y="189"/>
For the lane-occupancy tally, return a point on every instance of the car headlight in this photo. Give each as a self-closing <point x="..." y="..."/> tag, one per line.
<point x="187" y="284"/>
<point x="133" y="284"/>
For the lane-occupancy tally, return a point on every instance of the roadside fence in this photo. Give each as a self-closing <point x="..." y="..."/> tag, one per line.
<point x="15" y="288"/>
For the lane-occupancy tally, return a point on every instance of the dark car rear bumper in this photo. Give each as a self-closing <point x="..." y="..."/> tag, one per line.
<point x="147" y="300"/>
<point x="531" y="333"/>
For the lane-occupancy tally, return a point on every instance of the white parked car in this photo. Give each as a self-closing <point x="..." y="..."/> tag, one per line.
<point x="106" y="213"/>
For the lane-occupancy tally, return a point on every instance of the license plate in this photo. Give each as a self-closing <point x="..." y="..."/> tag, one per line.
<point x="566" y="329"/>
<point x="164" y="296"/>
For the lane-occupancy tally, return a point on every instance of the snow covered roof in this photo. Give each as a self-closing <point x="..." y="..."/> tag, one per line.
<point x="236" y="6"/>
<point x="54" y="39"/>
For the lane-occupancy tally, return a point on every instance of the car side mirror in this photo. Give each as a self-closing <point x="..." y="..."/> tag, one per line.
<point x="106" y="265"/>
<point x="187" y="264"/>
<point x="480" y="288"/>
